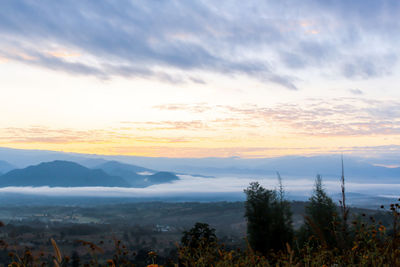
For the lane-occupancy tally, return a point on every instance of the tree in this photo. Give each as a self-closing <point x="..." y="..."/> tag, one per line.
<point x="198" y="245"/>
<point x="320" y="215"/>
<point x="269" y="224"/>
<point x="200" y="234"/>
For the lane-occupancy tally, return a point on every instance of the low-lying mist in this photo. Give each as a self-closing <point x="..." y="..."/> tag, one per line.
<point x="190" y="186"/>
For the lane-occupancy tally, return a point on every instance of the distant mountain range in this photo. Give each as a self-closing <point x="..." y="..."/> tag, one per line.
<point x="70" y="174"/>
<point x="5" y="167"/>
<point x="136" y="176"/>
<point x="356" y="168"/>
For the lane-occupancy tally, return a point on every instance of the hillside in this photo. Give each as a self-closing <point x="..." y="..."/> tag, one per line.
<point x="162" y="177"/>
<point x="356" y="168"/>
<point x="115" y="166"/>
<point x="5" y="166"/>
<point x="131" y="174"/>
<point x="60" y="173"/>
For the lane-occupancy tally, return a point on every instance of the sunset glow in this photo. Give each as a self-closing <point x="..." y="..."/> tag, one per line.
<point x="193" y="79"/>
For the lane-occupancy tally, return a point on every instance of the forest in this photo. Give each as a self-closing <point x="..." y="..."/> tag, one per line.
<point x="264" y="230"/>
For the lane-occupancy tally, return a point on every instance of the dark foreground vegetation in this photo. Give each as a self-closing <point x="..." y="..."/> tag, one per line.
<point x="265" y="230"/>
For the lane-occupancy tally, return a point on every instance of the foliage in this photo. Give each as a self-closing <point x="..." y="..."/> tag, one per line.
<point x="320" y="217"/>
<point x="200" y="234"/>
<point x="373" y="244"/>
<point x="199" y="245"/>
<point x="268" y="219"/>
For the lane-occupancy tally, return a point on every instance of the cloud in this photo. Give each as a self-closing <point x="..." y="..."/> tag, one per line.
<point x="135" y="37"/>
<point x="313" y="117"/>
<point x="334" y="117"/>
<point x="369" y="67"/>
<point x="196" y="108"/>
<point x="54" y="136"/>
<point x="356" y="91"/>
<point x="64" y="54"/>
<point x="189" y="186"/>
<point x="41" y="134"/>
<point x="223" y="124"/>
<point x="172" y="40"/>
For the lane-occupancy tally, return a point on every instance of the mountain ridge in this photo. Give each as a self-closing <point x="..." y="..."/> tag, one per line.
<point x="131" y="173"/>
<point x="327" y="165"/>
<point x="6" y="167"/>
<point x="60" y="173"/>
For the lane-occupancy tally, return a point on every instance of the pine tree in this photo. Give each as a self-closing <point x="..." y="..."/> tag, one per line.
<point x="320" y="215"/>
<point x="269" y="225"/>
<point x="199" y="234"/>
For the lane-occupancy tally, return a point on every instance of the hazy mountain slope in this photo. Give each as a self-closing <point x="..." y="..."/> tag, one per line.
<point x="60" y="173"/>
<point x="130" y="174"/>
<point x="126" y="171"/>
<point x="162" y="177"/>
<point x="5" y="166"/>
<point x="326" y="165"/>
<point x="117" y="166"/>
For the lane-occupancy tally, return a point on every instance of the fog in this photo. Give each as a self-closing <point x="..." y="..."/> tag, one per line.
<point x="189" y="185"/>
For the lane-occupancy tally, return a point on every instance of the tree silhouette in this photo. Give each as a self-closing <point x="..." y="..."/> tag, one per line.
<point x="320" y="215"/>
<point x="269" y="224"/>
<point x="200" y="234"/>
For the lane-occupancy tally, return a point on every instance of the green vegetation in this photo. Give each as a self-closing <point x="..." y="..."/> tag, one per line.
<point x="115" y="237"/>
<point x="320" y="217"/>
<point x="269" y="225"/>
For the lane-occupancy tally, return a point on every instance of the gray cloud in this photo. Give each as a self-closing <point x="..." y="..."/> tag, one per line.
<point x="356" y="91"/>
<point x="147" y="39"/>
<point x="135" y="37"/>
<point x="369" y="67"/>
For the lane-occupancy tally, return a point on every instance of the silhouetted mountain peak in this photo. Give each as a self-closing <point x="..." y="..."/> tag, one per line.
<point x="130" y="174"/>
<point x="113" y="164"/>
<point x="60" y="173"/>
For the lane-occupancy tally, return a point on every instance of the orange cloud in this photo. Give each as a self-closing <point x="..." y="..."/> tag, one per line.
<point x="3" y="59"/>
<point x="287" y="127"/>
<point x="313" y="32"/>
<point x="64" y="54"/>
<point x="26" y="57"/>
<point x="306" y="23"/>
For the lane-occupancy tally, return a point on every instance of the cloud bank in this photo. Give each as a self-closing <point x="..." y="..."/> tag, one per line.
<point x="172" y="41"/>
<point x="189" y="186"/>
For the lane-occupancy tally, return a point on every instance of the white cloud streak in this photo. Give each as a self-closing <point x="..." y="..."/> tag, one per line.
<point x="189" y="186"/>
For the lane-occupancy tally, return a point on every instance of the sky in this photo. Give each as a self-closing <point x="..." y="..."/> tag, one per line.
<point x="201" y="78"/>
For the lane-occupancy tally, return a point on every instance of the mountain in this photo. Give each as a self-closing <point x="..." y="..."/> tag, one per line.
<point x="5" y="166"/>
<point x="153" y="179"/>
<point x="356" y="168"/>
<point x="161" y="177"/>
<point x="60" y="173"/>
<point x="115" y="166"/>
<point x="131" y="174"/>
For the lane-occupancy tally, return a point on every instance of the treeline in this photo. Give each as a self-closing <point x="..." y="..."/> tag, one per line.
<point x="327" y="237"/>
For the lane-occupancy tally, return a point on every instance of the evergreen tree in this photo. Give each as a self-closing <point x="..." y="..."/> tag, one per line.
<point x="198" y="244"/>
<point x="269" y="225"/>
<point x="200" y="234"/>
<point x="320" y="215"/>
